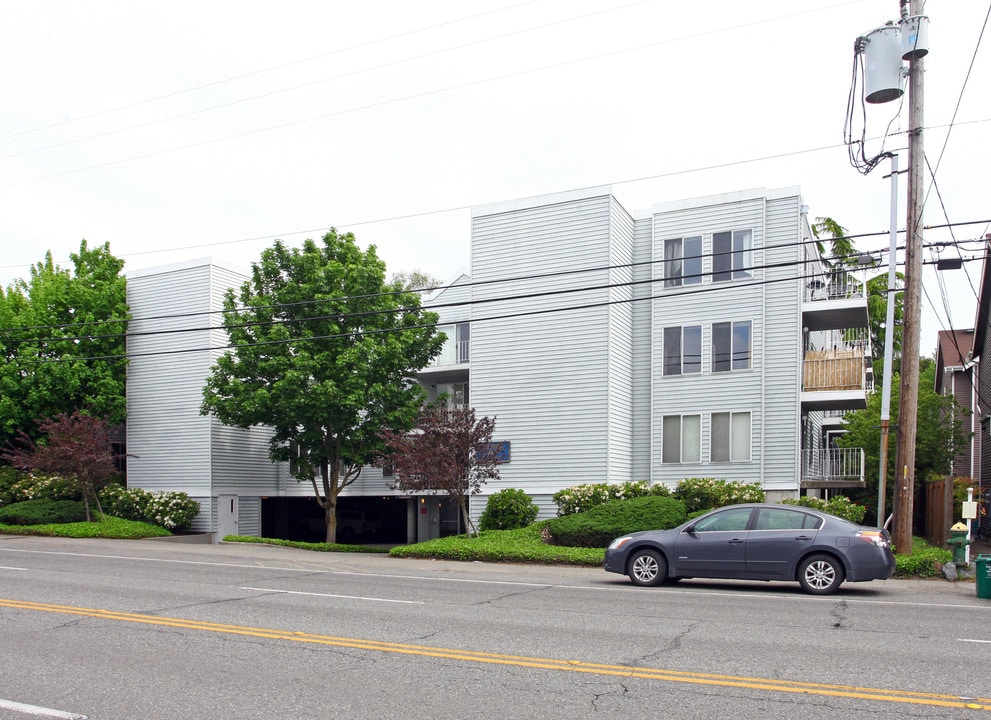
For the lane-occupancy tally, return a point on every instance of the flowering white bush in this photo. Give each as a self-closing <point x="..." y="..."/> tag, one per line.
<point x="171" y="510"/>
<point x="40" y="487"/>
<point x="580" y="498"/>
<point x="708" y="493"/>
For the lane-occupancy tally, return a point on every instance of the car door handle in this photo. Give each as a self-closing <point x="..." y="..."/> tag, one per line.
<point x="735" y="541"/>
<point x="803" y="538"/>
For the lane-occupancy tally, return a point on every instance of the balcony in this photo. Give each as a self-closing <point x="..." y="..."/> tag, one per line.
<point x="834" y="300"/>
<point x="451" y="365"/>
<point x="834" y="380"/>
<point x="833" y="468"/>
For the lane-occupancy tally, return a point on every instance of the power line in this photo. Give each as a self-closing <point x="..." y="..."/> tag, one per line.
<point x="293" y="88"/>
<point x="856" y="256"/>
<point x="269" y="69"/>
<point x="458" y="86"/>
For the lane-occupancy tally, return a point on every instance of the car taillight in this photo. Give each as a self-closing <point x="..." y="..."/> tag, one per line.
<point x="874" y="536"/>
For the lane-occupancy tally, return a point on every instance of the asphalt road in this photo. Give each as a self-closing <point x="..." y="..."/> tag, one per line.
<point x="146" y="629"/>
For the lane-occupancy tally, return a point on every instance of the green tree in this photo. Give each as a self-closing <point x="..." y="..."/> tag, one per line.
<point x="941" y="434"/>
<point x="325" y="353"/>
<point x="62" y="342"/>
<point x="415" y="279"/>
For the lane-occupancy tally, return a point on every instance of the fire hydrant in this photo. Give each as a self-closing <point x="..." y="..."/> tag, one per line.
<point x="959" y="542"/>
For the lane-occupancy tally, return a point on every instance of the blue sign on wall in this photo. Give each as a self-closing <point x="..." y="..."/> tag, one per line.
<point x="500" y="450"/>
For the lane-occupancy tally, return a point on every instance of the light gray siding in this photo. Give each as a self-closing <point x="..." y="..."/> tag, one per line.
<point x="703" y="304"/>
<point x="173" y="341"/>
<point x="783" y="344"/>
<point x="542" y="350"/>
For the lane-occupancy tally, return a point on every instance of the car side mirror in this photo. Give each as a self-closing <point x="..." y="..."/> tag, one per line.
<point x="690" y="529"/>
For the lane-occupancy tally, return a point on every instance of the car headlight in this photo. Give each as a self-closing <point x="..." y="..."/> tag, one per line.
<point x="619" y="542"/>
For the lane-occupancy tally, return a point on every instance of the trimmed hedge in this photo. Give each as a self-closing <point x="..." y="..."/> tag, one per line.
<point x="603" y="523"/>
<point x="43" y="512"/>
<point x="508" y="509"/>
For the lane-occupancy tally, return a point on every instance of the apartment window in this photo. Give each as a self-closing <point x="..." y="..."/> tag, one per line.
<point x="459" y="395"/>
<point x="681" y="438"/>
<point x="730" y="441"/>
<point x="732" y="255"/>
<point x="732" y="346"/>
<point x="683" y="350"/>
<point x="463" y="346"/>
<point x="683" y="261"/>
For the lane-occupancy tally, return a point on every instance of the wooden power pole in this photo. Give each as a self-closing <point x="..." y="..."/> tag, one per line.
<point x="908" y="401"/>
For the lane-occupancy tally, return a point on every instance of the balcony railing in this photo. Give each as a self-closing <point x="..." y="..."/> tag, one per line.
<point x="453" y="353"/>
<point x="828" y="370"/>
<point x="833" y="465"/>
<point x="833" y="286"/>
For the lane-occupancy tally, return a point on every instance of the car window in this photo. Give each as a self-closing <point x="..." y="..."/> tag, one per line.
<point x="735" y="519"/>
<point x="785" y="519"/>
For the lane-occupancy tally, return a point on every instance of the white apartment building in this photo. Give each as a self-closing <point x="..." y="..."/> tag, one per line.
<point x="701" y="338"/>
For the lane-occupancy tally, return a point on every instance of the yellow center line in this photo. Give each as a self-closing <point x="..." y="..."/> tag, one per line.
<point x="753" y="683"/>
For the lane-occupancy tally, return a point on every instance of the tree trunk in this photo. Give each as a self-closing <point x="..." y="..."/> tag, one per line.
<point x="330" y="491"/>
<point x="469" y="528"/>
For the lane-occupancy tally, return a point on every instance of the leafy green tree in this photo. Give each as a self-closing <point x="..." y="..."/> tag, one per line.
<point x="62" y="342"/>
<point x="450" y="450"/>
<point x="415" y="279"/>
<point x="76" y="447"/>
<point x="941" y="434"/>
<point x="325" y="353"/>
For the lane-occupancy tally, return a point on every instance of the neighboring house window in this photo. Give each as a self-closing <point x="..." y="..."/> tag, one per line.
<point x="732" y="346"/>
<point x="683" y="350"/>
<point x="730" y="441"/>
<point x="683" y="261"/>
<point x="732" y="255"/>
<point x="681" y="438"/>
<point x="388" y="469"/>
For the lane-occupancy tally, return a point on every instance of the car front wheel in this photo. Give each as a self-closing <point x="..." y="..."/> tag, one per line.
<point x="820" y="574"/>
<point x="647" y="568"/>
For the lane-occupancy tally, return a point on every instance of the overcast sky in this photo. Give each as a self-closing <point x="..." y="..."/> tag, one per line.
<point x="186" y="129"/>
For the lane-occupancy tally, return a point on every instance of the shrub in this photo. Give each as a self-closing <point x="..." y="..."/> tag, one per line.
<point x="708" y="493"/>
<point x="37" y="487"/>
<point x="508" y="509"/>
<point x="43" y="512"/>
<point x="582" y="498"/>
<point x="600" y="525"/>
<point x="125" y="503"/>
<point x="171" y="510"/>
<point x="924" y="561"/>
<point x="8" y="478"/>
<point x="840" y="506"/>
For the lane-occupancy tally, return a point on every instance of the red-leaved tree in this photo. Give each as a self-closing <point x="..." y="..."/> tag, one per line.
<point x="449" y="450"/>
<point x="76" y="447"/>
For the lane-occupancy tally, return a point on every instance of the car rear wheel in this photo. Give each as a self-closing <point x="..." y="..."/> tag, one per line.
<point x="820" y="574"/>
<point x="647" y="568"/>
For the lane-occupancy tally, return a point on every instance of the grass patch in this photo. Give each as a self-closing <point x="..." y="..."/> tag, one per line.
<point x="104" y="527"/>
<point x="313" y="546"/>
<point x="524" y="545"/>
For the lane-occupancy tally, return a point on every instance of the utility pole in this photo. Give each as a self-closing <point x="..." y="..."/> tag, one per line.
<point x="908" y="401"/>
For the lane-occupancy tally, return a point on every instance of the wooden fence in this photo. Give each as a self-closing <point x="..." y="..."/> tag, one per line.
<point x="939" y="511"/>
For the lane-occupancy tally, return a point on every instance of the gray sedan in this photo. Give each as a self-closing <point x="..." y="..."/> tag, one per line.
<point x="757" y="542"/>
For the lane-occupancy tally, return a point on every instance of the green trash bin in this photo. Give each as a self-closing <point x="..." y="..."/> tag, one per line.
<point x="983" y="576"/>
